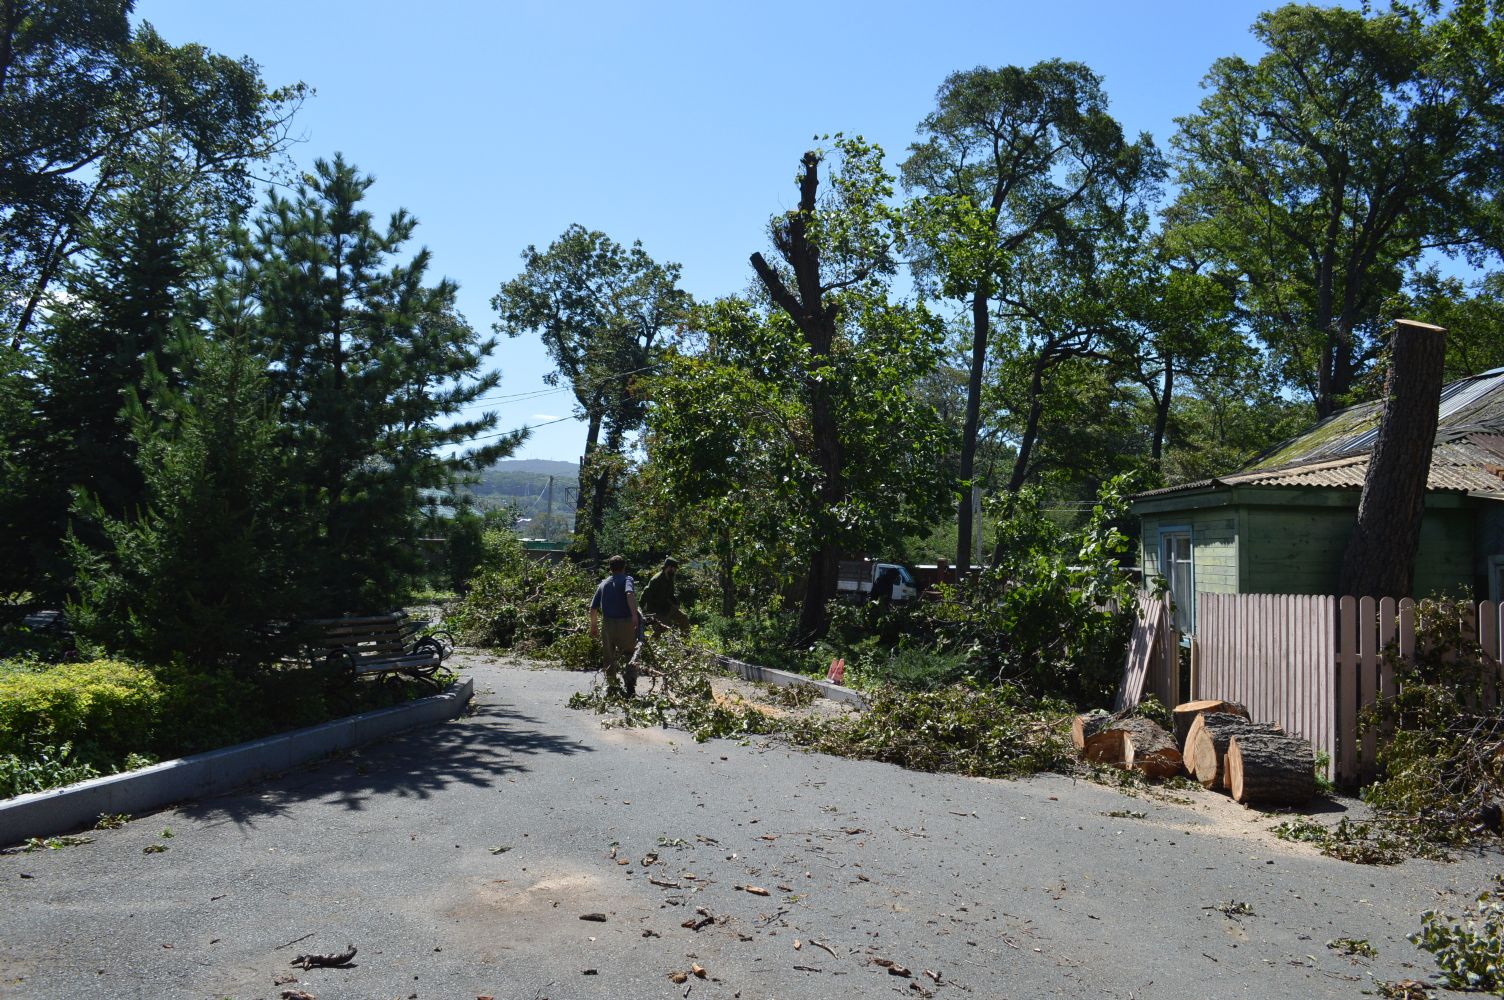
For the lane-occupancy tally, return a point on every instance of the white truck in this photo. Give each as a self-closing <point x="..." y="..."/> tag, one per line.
<point x="857" y="577"/>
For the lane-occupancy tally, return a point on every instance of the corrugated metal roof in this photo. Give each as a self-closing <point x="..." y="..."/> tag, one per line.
<point x="1472" y="403"/>
<point x="1463" y="460"/>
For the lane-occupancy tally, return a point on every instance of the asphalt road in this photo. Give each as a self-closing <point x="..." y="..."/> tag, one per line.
<point x="459" y="860"/>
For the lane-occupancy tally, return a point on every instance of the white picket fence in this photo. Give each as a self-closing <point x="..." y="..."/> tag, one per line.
<point x="1312" y="663"/>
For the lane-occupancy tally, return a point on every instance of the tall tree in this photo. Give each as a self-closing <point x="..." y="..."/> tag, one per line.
<point x="370" y="364"/>
<point x="1006" y="155"/>
<point x="852" y="360"/>
<point x="81" y="93"/>
<point x="1357" y="143"/>
<point x="602" y="311"/>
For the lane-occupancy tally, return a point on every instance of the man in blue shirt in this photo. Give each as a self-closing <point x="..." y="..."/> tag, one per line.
<point x="615" y="602"/>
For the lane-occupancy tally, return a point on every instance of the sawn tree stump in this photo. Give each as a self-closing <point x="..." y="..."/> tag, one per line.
<point x="1148" y="748"/>
<point x="1270" y="769"/>
<point x="1096" y="739"/>
<point x="1186" y="712"/>
<point x="1206" y="744"/>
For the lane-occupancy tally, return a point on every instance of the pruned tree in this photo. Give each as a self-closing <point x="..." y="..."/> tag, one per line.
<point x="1380" y="556"/>
<point x="851" y="359"/>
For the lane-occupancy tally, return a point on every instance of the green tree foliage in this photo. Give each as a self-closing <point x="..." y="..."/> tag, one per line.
<point x="1007" y="156"/>
<point x="83" y="96"/>
<point x="1472" y="312"/>
<point x="1008" y="621"/>
<point x="205" y="563"/>
<point x="1317" y="173"/>
<point x="602" y="311"/>
<point x="369" y="364"/>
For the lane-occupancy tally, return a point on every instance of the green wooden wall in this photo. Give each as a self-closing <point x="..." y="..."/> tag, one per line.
<point x="1282" y="541"/>
<point x="1214" y="546"/>
<point x="1295" y="550"/>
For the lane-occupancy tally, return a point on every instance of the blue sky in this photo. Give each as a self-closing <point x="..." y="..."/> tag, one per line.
<point x="498" y="124"/>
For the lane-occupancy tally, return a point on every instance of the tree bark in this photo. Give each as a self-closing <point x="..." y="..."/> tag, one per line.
<point x="1380" y="556"/>
<point x="727" y="559"/>
<point x="1162" y="415"/>
<point x="1206" y="744"/>
<point x="1148" y="749"/>
<point x="981" y="324"/>
<point x="1098" y="738"/>
<point x="1265" y="769"/>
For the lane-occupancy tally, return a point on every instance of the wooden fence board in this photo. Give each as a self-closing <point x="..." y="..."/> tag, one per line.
<point x="1347" y="684"/>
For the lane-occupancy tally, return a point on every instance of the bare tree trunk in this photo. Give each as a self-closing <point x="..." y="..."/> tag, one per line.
<point x="599" y="488"/>
<point x="980" y="325"/>
<point x="1030" y="436"/>
<point x="585" y="493"/>
<point x="1162" y="415"/>
<point x="1380" y="557"/>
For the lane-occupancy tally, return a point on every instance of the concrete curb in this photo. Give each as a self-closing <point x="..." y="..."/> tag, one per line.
<point x="768" y="675"/>
<point x="58" y="810"/>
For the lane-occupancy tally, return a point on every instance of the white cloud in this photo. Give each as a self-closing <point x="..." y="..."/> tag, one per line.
<point x="544" y="416"/>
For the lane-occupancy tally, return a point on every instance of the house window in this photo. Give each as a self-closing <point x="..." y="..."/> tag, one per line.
<point x="1179" y="571"/>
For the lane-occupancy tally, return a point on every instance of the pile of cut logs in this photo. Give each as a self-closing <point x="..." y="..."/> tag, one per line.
<point x="1214" y="742"/>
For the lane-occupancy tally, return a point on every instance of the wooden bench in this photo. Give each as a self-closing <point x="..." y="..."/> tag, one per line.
<point x="380" y="644"/>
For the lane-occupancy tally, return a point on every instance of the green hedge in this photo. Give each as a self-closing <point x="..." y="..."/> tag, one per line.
<point x="105" y="708"/>
<point x="68" y="721"/>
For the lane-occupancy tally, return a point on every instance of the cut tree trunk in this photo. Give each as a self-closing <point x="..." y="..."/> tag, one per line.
<point x="1186" y="712"/>
<point x="1206" y="744"/>
<point x="1148" y="748"/>
<point x="1268" y="769"/>
<point x="1096" y="736"/>
<point x="1380" y="556"/>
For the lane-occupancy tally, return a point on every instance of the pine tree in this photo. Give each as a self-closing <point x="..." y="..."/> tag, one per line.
<point x="370" y="364"/>
<point x="204" y="564"/>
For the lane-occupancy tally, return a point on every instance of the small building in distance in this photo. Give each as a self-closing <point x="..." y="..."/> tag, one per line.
<point x="1281" y="524"/>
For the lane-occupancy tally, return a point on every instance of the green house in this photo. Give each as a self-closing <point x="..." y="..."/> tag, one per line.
<point x="1281" y="524"/>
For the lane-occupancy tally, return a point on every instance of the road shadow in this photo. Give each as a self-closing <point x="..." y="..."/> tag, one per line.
<point x="477" y="749"/>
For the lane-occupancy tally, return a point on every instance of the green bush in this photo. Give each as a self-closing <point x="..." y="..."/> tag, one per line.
<point x="909" y="668"/>
<point x="41" y="768"/>
<point x="1044" y="617"/>
<point x="68" y="722"/>
<point x="1470" y="954"/>
<point x="104" y="708"/>
<point x="518" y="603"/>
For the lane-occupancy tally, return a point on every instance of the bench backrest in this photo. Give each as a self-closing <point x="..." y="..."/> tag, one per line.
<point x="370" y="636"/>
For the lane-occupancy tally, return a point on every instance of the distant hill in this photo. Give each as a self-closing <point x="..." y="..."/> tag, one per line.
<point x="523" y="483"/>
<point x="542" y="466"/>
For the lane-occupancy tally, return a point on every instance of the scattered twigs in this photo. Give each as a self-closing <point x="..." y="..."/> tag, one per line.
<point x="333" y="960"/>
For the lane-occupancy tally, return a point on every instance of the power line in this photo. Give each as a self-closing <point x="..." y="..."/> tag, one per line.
<point x="527" y="427"/>
<point x="536" y="393"/>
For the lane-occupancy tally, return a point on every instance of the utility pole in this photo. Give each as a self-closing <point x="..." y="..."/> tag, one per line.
<point x="548" y="516"/>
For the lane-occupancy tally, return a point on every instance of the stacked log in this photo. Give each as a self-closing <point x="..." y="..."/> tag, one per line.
<point x="1270" y="769"/>
<point x="1148" y="748"/>
<point x="1185" y="715"/>
<point x="1095" y="737"/>
<point x="1206" y="744"/>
